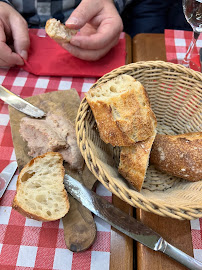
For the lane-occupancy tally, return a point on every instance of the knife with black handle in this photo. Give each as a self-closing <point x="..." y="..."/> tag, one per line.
<point x="126" y="224"/>
<point x="19" y="103"/>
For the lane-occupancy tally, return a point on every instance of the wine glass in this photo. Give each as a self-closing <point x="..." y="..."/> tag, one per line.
<point x="193" y="14"/>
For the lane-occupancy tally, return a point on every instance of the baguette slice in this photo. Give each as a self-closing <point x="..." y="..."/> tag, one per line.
<point x="134" y="161"/>
<point x="58" y="31"/>
<point x="122" y="111"/>
<point x="40" y="189"/>
<point x="179" y="155"/>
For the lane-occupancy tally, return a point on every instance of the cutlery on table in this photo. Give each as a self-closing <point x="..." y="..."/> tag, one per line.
<point x="126" y="224"/>
<point x="6" y="175"/>
<point x="19" y="103"/>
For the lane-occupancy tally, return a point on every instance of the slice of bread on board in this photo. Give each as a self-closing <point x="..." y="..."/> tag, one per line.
<point x="178" y="155"/>
<point x="40" y="189"/>
<point x="122" y="111"/>
<point x="134" y="161"/>
<point x="58" y="31"/>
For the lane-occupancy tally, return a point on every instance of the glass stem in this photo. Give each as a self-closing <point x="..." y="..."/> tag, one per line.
<point x="189" y="52"/>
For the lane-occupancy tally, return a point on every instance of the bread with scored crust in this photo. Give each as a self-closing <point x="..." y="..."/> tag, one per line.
<point x="134" y="161"/>
<point x="40" y="189"/>
<point x="179" y="155"/>
<point x="122" y="111"/>
<point x="58" y="31"/>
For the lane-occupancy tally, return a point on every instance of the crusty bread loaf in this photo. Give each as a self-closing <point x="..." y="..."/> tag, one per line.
<point x="40" y="189"/>
<point x="134" y="161"/>
<point x="58" y="31"/>
<point x="122" y="111"/>
<point x="178" y="155"/>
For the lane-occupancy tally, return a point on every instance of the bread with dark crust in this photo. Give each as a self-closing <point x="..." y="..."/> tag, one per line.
<point x="178" y="155"/>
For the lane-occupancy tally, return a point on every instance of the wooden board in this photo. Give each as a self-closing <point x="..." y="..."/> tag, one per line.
<point x="152" y="47"/>
<point x="79" y="225"/>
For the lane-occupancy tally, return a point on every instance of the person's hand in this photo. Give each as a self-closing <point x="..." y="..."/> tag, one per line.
<point x="14" y="37"/>
<point x="100" y="27"/>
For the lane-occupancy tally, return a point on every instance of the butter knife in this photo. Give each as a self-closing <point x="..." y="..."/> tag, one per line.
<point x="19" y="103"/>
<point x="126" y="224"/>
<point x="6" y="175"/>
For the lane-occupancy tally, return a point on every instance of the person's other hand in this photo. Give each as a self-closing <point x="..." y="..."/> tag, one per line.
<point x="100" y="27"/>
<point x="14" y="37"/>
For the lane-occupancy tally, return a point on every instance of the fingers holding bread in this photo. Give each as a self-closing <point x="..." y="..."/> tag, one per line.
<point x="40" y="190"/>
<point x="58" y="31"/>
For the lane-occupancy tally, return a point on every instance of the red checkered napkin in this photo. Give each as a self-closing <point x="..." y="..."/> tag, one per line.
<point x="26" y="244"/>
<point x="177" y="43"/>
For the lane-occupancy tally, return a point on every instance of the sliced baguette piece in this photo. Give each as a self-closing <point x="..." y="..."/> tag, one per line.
<point x="134" y="161"/>
<point x="178" y="155"/>
<point x="122" y="111"/>
<point x="58" y="31"/>
<point x="40" y="189"/>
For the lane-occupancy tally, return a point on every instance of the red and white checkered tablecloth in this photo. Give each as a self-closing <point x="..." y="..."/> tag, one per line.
<point x="26" y="243"/>
<point x="177" y="42"/>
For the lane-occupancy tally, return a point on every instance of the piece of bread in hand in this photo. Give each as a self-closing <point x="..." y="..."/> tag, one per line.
<point x="40" y="189"/>
<point x="122" y="111"/>
<point x="134" y="161"/>
<point x="58" y="31"/>
<point x="178" y="155"/>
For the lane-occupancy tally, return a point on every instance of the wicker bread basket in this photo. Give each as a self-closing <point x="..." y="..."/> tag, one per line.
<point x="175" y="94"/>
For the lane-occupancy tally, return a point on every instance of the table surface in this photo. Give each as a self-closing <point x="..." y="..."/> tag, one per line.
<point x="178" y="233"/>
<point x="126" y="254"/>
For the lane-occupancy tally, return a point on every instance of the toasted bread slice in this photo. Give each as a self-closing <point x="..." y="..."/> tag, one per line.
<point x="40" y="189"/>
<point x="58" y="31"/>
<point x="122" y="111"/>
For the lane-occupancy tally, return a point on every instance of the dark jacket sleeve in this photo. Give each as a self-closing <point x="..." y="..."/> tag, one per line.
<point x="121" y="4"/>
<point x="6" y="1"/>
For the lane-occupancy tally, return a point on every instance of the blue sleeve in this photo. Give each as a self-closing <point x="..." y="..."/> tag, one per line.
<point x="121" y="4"/>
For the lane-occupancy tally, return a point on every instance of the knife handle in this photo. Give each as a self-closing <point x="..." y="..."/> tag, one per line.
<point x="181" y="257"/>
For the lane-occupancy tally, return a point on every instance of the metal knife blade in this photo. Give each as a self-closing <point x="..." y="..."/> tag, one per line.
<point x="19" y="103"/>
<point x="126" y="224"/>
<point x="6" y="175"/>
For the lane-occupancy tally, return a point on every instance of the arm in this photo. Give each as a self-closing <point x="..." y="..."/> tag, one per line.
<point x="100" y="27"/>
<point x="14" y="37"/>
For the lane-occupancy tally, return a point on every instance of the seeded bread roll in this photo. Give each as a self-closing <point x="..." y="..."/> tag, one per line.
<point x="134" y="162"/>
<point x="122" y="111"/>
<point x="178" y="155"/>
<point x="58" y="31"/>
<point x="40" y="189"/>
